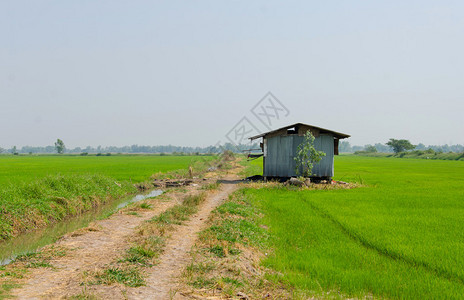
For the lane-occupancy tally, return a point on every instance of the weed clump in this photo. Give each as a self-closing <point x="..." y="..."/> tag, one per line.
<point x="128" y="276"/>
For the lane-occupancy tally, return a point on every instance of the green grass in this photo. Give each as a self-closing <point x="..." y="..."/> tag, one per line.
<point x="148" y="249"/>
<point x="127" y="276"/>
<point x="400" y="236"/>
<point x="38" y="190"/>
<point x="252" y="167"/>
<point x="5" y="289"/>
<point x="135" y="168"/>
<point x="27" y="206"/>
<point x="180" y="213"/>
<point x="145" y="206"/>
<point x="211" y="186"/>
<point x="231" y="225"/>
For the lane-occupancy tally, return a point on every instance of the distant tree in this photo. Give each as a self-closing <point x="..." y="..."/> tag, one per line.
<point x="2" y="150"/>
<point x="59" y="146"/>
<point x="307" y="156"/>
<point x="355" y="148"/>
<point x="420" y="146"/>
<point x="370" y="149"/>
<point x="344" y="147"/>
<point x="382" y="148"/>
<point x="400" y="145"/>
<point x="50" y="149"/>
<point x="14" y="150"/>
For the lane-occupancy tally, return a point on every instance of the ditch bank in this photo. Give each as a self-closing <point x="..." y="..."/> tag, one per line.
<point x="33" y="205"/>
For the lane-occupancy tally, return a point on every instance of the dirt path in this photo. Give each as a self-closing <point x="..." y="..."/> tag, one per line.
<point x="161" y="284"/>
<point x="92" y="250"/>
<point x="88" y="251"/>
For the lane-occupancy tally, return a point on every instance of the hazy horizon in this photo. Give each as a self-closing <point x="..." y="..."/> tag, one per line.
<point x="83" y="147"/>
<point x="118" y="73"/>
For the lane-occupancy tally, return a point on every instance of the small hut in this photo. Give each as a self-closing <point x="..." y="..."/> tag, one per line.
<point x="280" y="146"/>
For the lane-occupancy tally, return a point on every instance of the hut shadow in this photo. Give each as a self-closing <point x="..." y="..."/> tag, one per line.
<point x="225" y="181"/>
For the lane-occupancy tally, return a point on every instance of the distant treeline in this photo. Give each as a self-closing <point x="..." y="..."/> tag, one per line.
<point x="133" y="149"/>
<point x="425" y="154"/>
<point x="345" y="147"/>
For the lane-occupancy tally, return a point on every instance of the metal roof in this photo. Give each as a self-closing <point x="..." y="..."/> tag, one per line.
<point x="338" y="135"/>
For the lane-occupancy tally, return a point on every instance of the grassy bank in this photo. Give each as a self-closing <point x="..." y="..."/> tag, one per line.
<point x="400" y="236"/>
<point x="27" y="206"/>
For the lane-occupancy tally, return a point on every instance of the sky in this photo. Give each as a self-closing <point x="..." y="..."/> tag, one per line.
<point x="196" y="73"/>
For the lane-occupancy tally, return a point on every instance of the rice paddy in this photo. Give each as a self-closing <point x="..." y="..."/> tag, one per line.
<point x="399" y="236"/>
<point x="135" y="168"/>
<point x="38" y="190"/>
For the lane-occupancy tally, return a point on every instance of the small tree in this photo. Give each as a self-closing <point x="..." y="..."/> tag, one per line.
<point x="307" y="156"/>
<point x="344" y="146"/>
<point x="400" y="145"/>
<point x="370" y="149"/>
<point x="59" y="146"/>
<point x="14" y="150"/>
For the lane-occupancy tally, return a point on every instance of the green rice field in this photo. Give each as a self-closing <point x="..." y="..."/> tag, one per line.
<point x="18" y="169"/>
<point x="399" y="236"/>
<point x="36" y="191"/>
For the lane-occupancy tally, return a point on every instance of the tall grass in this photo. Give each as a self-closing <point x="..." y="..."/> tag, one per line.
<point x="402" y="236"/>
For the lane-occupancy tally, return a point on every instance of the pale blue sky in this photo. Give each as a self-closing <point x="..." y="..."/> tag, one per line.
<point x="185" y="72"/>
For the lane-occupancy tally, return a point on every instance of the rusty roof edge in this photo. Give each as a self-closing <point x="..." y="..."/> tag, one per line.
<point x="340" y="135"/>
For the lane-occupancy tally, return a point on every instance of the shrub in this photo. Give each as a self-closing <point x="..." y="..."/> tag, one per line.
<point x="228" y="155"/>
<point x="370" y="149"/>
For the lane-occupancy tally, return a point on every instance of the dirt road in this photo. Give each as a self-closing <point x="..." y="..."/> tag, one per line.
<point x="92" y="250"/>
<point x="161" y="284"/>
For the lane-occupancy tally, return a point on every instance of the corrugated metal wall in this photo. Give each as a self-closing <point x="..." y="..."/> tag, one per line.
<point x="281" y="150"/>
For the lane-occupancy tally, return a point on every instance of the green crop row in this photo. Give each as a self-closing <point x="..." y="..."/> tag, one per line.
<point x="400" y="236"/>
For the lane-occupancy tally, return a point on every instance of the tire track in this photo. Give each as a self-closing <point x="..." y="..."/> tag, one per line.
<point x="358" y="238"/>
